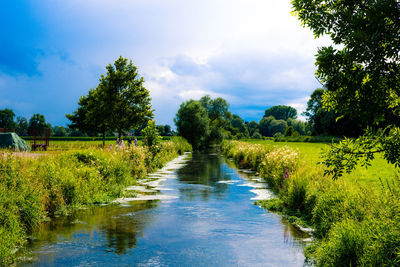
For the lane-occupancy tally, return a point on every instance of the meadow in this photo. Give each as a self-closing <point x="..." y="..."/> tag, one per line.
<point x="379" y="171"/>
<point x="36" y="186"/>
<point x="355" y="219"/>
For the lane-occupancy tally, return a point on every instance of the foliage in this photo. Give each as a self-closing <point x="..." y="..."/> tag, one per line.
<point x="32" y="189"/>
<point x="281" y="112"/>
<point x="151" y="138"/>
<point x="38" y="123"/>
<point x="362" y="77"/>
<point x="192" y="123"/>
<point x="120" y="91"/>
<point x="22" y="126"/>
<point x="323" y="122"/>
<point x="252" y="127"/>
<point x="7" y="118"/>
<point x="289" y="131"/>
<point x="349" y="152"/>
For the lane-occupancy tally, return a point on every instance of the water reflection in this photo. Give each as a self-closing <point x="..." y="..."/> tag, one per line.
<point x="119" y="227"/>
<point x="212" y="222"/>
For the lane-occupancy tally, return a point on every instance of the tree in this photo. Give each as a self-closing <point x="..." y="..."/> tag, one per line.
<point x="7" y="118"/>
<point x="120" y="102"/>
<point x="298" y="126"/>
<point x="90" y="116"/>
<point x="59" y="131"/>
<point x="219" y="115"/>
<point x="289" y="131"/>
<point x="362" y="77"/>
<point x="252" y="127"/>
<point x="38" y="123"/>
<point x="22" y="126"/>
<point x="192" y="123"/>
<point x="126" y="100"/>
<point x="277" y="126"/>
<point x="281" y="112"/>
<point x="264" y="125"/>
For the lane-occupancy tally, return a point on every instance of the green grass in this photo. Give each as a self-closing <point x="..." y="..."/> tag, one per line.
<point x="34" y="188"/>
<point x="310" y="155"/>
<point x="356" y="219"/>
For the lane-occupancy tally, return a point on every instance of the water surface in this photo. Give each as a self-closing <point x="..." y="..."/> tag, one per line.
<point x="208" y="219"/>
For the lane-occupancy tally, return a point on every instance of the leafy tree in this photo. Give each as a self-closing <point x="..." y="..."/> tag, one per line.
<point x="252" y="127"/>
<point x="219" y="115"/>
<point x="59" y="131"/>
<point x="277" y="126"/>
<point x="7" y="118"/>
<point x="327" y="122"/>
<point x="22" y="126"/>
<point x="361" y="77"/>
<point x="192" y="123"/>
<point x="90" y="116"/>
<point x="126" y="100"/>
<point x="120" y="102"/>
<point x="289" y="131"/>
<point x="281" y="112"/>
<point x="264" y="125"/>
<point x="239" y="127"/>
<point x="38" y="123"/>
<point x="298" y="126"/>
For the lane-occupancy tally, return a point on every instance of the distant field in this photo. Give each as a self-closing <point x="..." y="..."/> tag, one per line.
<point x="56" y="145"/>
<point x="310" y="154"/>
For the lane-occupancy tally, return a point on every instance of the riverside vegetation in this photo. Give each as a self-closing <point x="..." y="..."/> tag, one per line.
<point x="354" y="223"/>
<point x="33" y="190"/>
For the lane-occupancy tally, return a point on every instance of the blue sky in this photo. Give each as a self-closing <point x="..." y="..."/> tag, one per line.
<point x="253" y="53"/>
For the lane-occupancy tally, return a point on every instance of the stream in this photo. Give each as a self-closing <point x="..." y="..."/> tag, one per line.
<point x="197" y="211"/>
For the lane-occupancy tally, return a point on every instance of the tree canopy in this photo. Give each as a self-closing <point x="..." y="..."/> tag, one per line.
<point x="360" y="72"/>
<point x="192" y="123"/>
<point x="120" y="102"/>
<point x="7" y="118"/>
<point x="281" y="112"/>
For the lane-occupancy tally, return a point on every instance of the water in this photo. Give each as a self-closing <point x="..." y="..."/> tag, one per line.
<point x="206" y="217"/>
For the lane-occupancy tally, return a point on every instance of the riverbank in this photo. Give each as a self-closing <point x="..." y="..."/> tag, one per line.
<point x="354" y="224"/>
<point x="33" y="190"/>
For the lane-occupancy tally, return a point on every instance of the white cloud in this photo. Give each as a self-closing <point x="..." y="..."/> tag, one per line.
<point x="254" y="53"/>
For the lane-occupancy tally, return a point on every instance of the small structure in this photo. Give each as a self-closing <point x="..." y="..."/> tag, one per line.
<point x="9" y="139"/>
<point x="39" y="140"/>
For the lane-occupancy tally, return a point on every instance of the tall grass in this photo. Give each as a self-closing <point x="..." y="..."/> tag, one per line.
<point x="34" y="189"/>
<point x="354" y="223"/>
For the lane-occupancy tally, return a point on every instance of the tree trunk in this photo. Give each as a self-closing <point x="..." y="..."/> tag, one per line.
<point x="119" y="134"/>
<point x="104" y="138"/>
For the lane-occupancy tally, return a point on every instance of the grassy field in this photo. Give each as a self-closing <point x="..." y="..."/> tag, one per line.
<point x="310" y="156"/>
<point x="34" y="188"/>
<point x="56" y="145"/>
<point x="355" y="219"/>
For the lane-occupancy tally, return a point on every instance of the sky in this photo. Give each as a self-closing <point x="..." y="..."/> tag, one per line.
<point x="253" y="53"/>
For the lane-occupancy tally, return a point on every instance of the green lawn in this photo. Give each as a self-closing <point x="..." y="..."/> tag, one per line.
<point x="310" y="154"/>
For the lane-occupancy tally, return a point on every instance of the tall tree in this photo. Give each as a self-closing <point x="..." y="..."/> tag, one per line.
<point x="126" y="100"/>
<point x="281" y="112"/>
<point x="192" y="123"/>
<point x="219" y="115"/>
<point x="22" y="126"/>
<point x="38" y="124"/>
<point x="120" y="102"/>
<point x="361" y="73"/>
<point x="7" y="118"/>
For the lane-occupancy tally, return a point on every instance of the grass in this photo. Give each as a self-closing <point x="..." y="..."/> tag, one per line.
<point x="356" y="219"/>
<point x="310" y="156"/>
<point x="33" y="189"/>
